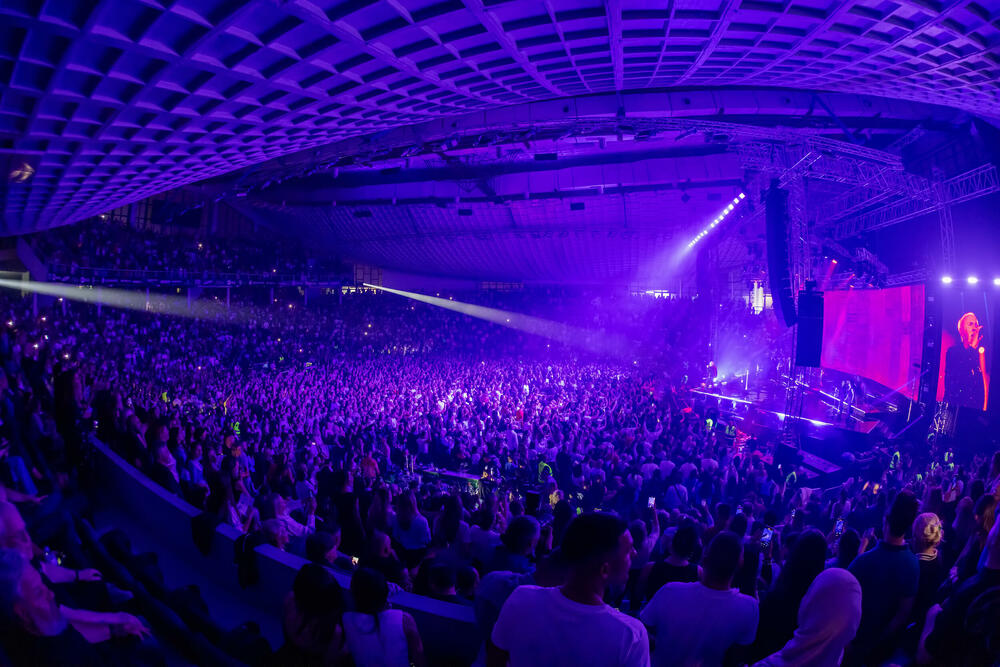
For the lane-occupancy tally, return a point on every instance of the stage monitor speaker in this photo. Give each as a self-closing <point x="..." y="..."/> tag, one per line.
<point x="779" y="279"/>
<point x="809" y="335"/>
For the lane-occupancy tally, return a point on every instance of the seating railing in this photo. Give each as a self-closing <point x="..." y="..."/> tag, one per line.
<point x="449" y="631"/>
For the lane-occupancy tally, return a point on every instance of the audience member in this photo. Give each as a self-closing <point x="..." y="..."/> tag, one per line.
<point x="376" y="635"/>
<point x="312" y="619"/>
<point x="827" y="622"/>
<point x="697" y="623"/>
<point x="571" y="625"/>
<point x="889" y="576"/>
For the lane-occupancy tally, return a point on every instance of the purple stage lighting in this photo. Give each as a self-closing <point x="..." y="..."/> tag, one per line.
<point x="946" y="280"/>
<point x="996" y="282"/>
<point x="972" y="280"/>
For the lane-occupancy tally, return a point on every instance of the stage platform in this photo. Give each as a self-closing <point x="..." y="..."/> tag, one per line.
<point x="818" y="433"/>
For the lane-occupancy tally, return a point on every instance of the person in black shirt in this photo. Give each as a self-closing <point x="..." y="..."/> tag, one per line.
<point x="677" y="566"/>
<point x="380" y="556"/>
<point x="38" y="631"/>
<point x="163" y="470"/>
<point x="348" y="513"/>
<point x="779" y="610"/>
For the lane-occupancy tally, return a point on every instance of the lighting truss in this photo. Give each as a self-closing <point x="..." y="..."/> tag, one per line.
<point x="884" y="174"/>
<point x="751" y="140"/>
<point x="978" y="182"/>
<point x="947" y="228"/>
<point x="843" y="281"/>
<point x="906" y="278"/>
<point x="853" y="201"/>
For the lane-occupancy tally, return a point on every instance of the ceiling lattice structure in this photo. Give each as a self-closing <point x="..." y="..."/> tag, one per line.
<point x="609" y="238"/>
<point x="110" y="101"/>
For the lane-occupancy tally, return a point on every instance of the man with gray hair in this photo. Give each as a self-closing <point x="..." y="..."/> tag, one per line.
<point x="38" y="631"/>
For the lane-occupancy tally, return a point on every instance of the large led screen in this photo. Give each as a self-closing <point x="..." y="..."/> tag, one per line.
<point x="876" y="334"/>
<point x="966" y="350"/>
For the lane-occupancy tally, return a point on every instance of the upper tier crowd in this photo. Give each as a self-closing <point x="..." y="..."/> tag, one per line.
<point x="615" y="517"/>
<point x="111" y="245"/>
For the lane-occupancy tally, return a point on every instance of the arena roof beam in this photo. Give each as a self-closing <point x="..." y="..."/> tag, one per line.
<point x="660" y="111"/>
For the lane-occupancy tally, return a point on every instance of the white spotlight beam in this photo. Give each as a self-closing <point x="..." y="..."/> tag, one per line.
<point x="550" y="329"/>
<point x="117" y="298"/>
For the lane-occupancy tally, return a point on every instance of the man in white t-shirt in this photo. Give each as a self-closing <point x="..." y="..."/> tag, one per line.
<point x="695" y="624"/>
<point x="571" y="626"/>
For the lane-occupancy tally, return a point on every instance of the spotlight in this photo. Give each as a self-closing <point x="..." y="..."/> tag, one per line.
<point x="972" y="280"/>
<point x="718" y="219"/>
<point x="996" y="282"/>
<point x="946" y="280"/>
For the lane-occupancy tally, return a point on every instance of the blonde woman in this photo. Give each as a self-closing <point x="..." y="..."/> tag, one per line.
<point x="927" y="535"/>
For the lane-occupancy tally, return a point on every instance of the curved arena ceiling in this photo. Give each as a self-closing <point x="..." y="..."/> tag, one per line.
<point x="461" y="136"/>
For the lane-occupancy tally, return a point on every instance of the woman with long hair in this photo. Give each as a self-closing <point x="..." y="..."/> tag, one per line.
<point x="380" y="514"/>
<point x="311" y="619"/>
<point x="450" y="528"/>
<point x="378" y="636"/>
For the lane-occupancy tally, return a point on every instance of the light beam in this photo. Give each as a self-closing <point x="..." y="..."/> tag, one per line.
<point x="117" y="298"/>
<point x="550" y="329"/>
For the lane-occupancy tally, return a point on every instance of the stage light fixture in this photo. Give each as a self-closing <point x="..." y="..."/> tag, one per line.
<point x="718" y="219"/>
<point x="972" y="280"/>
<point x="996" y="282"/>
<point x="946" y="280"/>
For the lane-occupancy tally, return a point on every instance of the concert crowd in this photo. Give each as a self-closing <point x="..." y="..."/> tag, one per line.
<point x="576" y="494"/>
<point x="110" y="245"/>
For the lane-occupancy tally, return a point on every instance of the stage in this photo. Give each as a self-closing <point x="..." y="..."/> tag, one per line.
<point x="826" y="425"/>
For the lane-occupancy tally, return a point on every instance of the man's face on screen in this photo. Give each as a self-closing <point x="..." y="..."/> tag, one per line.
<point x="970" y="329"/>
